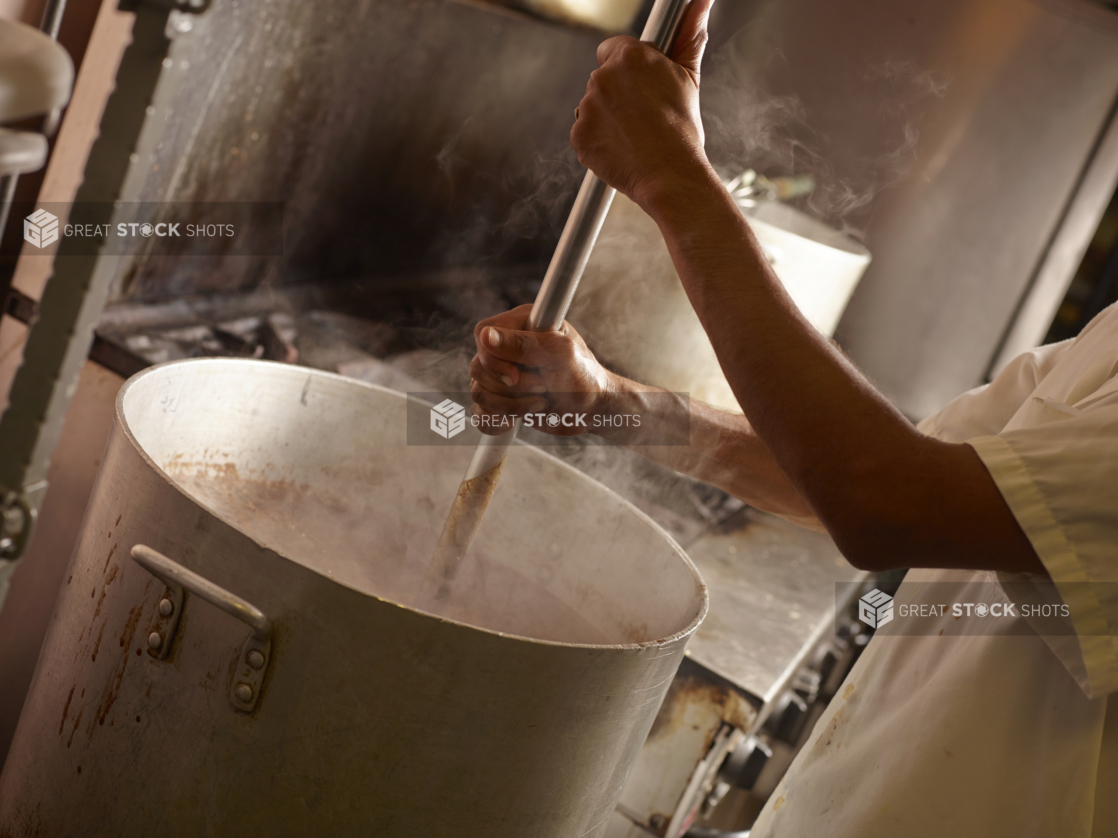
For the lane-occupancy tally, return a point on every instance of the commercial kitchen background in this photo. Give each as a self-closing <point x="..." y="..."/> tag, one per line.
<point x="420" y="151"/>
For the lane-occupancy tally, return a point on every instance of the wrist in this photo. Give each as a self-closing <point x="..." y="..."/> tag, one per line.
<point x="625" y="409"/>
<point x="612" y="391"/>
<point x="678" y="191"/>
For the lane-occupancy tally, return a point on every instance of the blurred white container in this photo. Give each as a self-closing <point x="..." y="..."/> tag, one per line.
<point x="634" y="313"/>
<point x="611" y="15"/>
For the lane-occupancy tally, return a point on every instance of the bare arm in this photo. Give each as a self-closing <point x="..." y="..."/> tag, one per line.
<point x="726" y="452"/>
<point x="555" y="372"/>
<point x="888" y="495"/>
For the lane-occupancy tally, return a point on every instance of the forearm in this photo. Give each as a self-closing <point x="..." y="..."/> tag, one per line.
<point x="723" y="449"/>
<point x="886" y="493"/>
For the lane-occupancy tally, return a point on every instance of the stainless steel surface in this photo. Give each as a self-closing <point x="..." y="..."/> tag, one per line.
<point x="561" y="280"/>
<point x="7" y="195"/>
<point x="766" y="652"/>
<point x="457" y="157"/>
<point x="295" y="489"/>
<point x="52" y="17"/>
<point x="701" y="721"/>
<point x="772" y="588"/>
<point x="1065" y="251"/>
<point x="953" y="133"/>
<point x="995" y="162"/>
<point x="663" y="23"/>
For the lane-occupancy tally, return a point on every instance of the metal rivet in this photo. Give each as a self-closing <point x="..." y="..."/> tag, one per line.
<point x="166" y="607"/>
<point x="243" y="692"/>
<point x="255" y="659"/>
<point x="155" y="640"/>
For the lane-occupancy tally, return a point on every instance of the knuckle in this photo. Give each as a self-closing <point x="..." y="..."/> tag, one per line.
<point x="632" y="53"/>
<point x="484" y="400"/>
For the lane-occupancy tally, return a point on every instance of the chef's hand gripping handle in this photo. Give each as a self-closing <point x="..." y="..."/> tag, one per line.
<point x="254" y="658"/>
<point x="576" y="242"/>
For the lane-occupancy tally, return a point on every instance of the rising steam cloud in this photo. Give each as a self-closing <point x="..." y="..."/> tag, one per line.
<point x="748" y="126"/>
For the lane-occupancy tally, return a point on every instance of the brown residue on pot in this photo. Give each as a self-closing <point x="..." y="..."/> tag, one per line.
<point x="66" y="709"/>
<point x="112" y="688"/>
<point x="461" y="524"/>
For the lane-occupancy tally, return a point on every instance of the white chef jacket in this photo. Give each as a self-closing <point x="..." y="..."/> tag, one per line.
<point x="986" y="735"/>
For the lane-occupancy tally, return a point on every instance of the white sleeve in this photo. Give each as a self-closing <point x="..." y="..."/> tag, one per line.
<point x="985" y="410"/>
<point x="1060" y="479"/>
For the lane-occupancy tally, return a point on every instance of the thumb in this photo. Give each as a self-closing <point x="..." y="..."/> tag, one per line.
<point x="687" y="51"/>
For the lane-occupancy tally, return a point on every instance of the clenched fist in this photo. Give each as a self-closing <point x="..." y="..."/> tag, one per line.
<point x="516" y="371"/>
<point x="638" y="126"/>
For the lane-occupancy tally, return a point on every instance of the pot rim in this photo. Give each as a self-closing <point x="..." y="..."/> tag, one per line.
<point x="122" y="423"/>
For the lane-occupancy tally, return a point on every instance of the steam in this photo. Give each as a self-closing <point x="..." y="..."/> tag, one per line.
<point x="749" y="126"/>
<point x="527" y="200"/>
<point x="545" y="187"/>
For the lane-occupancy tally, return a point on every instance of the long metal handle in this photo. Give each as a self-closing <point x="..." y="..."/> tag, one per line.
<point x="575" y="244"/>
<point x="173" y="574"/>
<point x="593" y="202"/>
<point x="548" y="312"/>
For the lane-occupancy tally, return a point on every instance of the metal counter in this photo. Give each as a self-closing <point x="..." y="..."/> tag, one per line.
<point x="772" y="599"/>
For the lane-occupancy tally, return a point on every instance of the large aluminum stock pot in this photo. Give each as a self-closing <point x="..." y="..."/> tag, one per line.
<point x="245" y="643"/>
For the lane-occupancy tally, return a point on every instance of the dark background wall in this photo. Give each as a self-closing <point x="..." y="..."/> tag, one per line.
<point x="403" y="137"/>
<point x="407" y="138"/>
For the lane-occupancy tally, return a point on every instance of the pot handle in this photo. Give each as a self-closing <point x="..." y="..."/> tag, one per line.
<point x="254" y="658"/>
